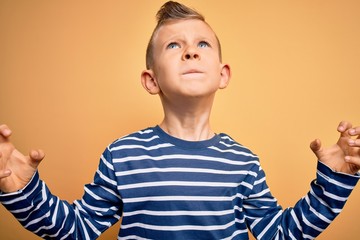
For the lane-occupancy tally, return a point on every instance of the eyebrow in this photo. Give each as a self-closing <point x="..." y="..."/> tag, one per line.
<point x="179" y="38"/>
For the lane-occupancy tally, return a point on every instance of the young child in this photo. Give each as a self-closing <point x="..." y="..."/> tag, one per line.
<point x="179" y="179"/>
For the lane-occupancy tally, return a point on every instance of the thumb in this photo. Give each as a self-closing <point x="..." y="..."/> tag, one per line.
<point x="316" y="147"/>
<point x="36" y="156"/>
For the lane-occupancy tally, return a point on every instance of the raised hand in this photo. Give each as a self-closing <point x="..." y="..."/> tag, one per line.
<point x="16" y="170"/>
<point x="344" y="156"/>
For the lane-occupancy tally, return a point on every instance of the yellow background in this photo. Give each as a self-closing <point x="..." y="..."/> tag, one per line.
<point x="70" y="84"/>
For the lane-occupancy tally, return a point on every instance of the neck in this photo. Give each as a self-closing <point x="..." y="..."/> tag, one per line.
<point x="188" y="122"/>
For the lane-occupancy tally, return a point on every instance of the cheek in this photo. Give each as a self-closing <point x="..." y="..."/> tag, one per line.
<point x="211" y="59"/>
<point x="214" y="68"/>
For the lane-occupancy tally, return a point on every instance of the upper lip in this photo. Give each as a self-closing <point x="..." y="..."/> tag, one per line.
<point x="192" y="70"/>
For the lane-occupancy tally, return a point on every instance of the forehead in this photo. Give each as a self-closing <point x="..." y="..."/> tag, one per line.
<point x="188" y="28"/>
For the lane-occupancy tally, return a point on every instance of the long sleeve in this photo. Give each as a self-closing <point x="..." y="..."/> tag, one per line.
<point x="310" y="215"/>
<point x="167" y="188"/>
<point x="51" y="218"/>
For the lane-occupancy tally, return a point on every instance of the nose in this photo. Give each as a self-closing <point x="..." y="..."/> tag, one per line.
<point x="191" y="54"/>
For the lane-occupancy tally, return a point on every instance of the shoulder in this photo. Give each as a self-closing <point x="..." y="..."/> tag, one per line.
<point x="135" y="143"/>
<point x="227" y="142"/>
<point x="138" y="137"/>
<point x="126" y="144"/>
<point x="228" y="148"/>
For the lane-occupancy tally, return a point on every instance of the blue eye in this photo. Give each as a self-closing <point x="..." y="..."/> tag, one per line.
<point x="203" y="44"/>
<point x="173" y="45"/>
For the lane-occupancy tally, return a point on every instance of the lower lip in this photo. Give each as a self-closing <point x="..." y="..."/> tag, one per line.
<point x="192" y="73"/>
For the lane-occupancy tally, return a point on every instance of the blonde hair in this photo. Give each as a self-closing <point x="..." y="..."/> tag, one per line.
<point x="172" y="11"/>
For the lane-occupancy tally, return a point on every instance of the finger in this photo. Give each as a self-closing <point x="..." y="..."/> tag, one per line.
<point x="353" y="160"/>
<point x="5" y="131"/>
<point x="354" y="131"/>
<point x="343" y="128"/>
<point x="316" y="146"/>
<point x="5" y="173"/>
<point x="354" y="142"/>
<point x="37" y="155"/>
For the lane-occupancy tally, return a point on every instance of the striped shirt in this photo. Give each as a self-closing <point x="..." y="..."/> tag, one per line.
<point x="167" y="188"/>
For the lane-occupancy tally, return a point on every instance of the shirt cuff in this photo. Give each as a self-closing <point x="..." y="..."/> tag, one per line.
<point x="331" y="175"/>
<point x="21" y="197"/>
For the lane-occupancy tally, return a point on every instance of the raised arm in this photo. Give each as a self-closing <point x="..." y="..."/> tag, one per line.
<point x="343" y="156"/>
<point x="16" y="169"/>
<point x="335" y="179"/>
<point x="45" y="214"/>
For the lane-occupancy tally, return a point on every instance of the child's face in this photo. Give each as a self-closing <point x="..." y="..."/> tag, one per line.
<point x="186" y="60"/>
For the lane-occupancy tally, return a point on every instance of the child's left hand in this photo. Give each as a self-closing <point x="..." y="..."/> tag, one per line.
<point x="344" y="156"/>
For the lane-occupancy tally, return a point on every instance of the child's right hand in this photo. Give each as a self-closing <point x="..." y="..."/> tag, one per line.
<point x="16" y="170"/>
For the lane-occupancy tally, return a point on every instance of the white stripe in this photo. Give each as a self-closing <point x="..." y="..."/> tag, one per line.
<point x="333" y="196"/>
<point x="21" y="210"/>
<point x="179" y="213"/>
<point x="314" y="211"/>
<point x="330" y="195"/>
<point x="105" y="178"/>
<point x="95" y="230"/>
<point x="97" y="209"/>
<point x="262" y="207"/>
<point x="22" y="197"/>
<point x="269" y="225"/>
<point x="291" y="235"/>
<point x="108" y="190"/>
<point x="140" y="139"/>
<point x="181" y="156"/>
<point x="38" y="206"/>
<point x="177" y="198"/>
<point x="239" y="195"/>
<point x="53" y="219"/>
<point x="236" y="207"/>
<point x="180" y="227"/>
<point x="280" y="230"/>
<point x="311" y="225"/>
<point x="127" y="137"/>
<point x="187" y="170"/>
<point x="17" y="199"/>
<point x="242" y="220"/>
<point x="237" y="232"/>
<point x="66" y="212"/>
<point x="104" y="223"/>
<point x="150" y="130"/>
<point x="296" y="220"/>
<point x="227" y="138"/>
<point x="333" y="181"/>
<point x="259" y="181"/>
<point x="233" y="151"/>
<point x="177" y="183"/>
<point x="259" y="194"/>
<point x="121" y="147"/>
<point x="70" y="232"/>
<point x="132" y="237"/>
<point x="107" y="164"/>
<point x="84" y="230"/>
<point x="234" y="144"/>
<point x="36" y="220"/>
<point x="246" y="184"/>
<point x="96" y="197"/>
<point x="335" y="210"/>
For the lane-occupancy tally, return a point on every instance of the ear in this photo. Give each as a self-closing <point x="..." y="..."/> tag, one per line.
<point x="225" y="76"/>
<point x="149" y="82"/>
